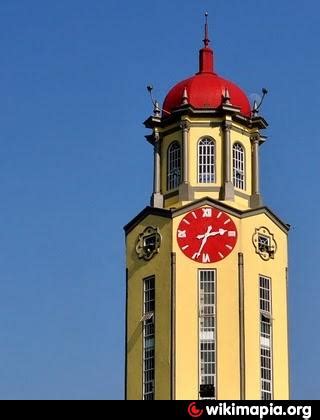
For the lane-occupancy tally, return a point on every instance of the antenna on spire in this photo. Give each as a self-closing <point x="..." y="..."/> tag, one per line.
<point x="206" y="31"/>
<point x="256" y="105"/>
<point x="156" y="106"/>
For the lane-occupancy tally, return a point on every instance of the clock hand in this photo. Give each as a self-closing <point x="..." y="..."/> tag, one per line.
<point x="204" y="240"/>
<point x="206" y="236"/>
<point x="220" y="232"/>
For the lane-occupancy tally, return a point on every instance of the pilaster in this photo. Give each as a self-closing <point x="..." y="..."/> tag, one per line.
<point x="227" y="192"/>
<point x="157" y="197"/>
<point x="256" y="199"/>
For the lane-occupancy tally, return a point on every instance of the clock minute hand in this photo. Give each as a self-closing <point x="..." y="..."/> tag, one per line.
<point x="206" y="236"/>
<point x="204" y="240"/>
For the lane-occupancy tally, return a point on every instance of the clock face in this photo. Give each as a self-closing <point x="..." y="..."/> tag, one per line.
<point x="207" y="235"/>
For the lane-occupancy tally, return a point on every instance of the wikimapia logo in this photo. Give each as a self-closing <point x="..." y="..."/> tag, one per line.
<point x="260" y="411"/>
<point x="193" y="411"/>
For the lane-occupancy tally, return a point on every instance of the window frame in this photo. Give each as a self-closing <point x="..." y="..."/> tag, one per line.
<point x="263" y="246"/>
<point x="239" y="165"/>
<point x="266" y="337"/>
<point x="148" y="334"/>
<point x="201" y="166"/>
<point x="172" y="183"/>
<point x="206" y="312"/>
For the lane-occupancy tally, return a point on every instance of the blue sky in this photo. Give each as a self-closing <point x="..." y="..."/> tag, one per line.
<point x="74" y="168"/>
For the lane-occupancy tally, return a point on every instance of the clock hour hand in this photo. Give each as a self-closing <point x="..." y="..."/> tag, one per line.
<point x="220" y="232"/>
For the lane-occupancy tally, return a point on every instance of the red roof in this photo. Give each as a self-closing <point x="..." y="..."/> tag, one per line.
<point x="206" y="89"/>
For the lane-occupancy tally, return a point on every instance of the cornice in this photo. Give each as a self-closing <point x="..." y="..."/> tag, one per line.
<point x="171" y="213"/>
<point x="147" y="211"/>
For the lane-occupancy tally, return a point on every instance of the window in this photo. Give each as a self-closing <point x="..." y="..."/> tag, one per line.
<point x="263" y="243"/>
<point x="174" y="166"/>
<point x="265" y="297"/>
<point x="238" y="166"/>
<point x="148" y="338"/>
<point x="265" y="338"/>
<point x="266" y="374"/>
<point x="206" y="161"/>
<point x="207" y="334"/>
<point x="150" y="243"/>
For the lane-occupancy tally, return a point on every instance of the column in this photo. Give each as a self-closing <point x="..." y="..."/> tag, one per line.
<point x="157" y="197"/>
<point x="242" y="327"/>
<point x="228" y="188"/>
<point x="185" y="140"/>
<point x="184" y="190"/>
<point x="256" y="200"/>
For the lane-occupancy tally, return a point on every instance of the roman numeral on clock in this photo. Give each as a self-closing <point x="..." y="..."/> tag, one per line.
<point x="182" y="233"/>
<point x="207" y="212"/>
<point x="205" y="258"/>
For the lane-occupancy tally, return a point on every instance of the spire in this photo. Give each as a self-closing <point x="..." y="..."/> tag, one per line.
<point x="206" y="40"/>
<point x="206" y="53"/>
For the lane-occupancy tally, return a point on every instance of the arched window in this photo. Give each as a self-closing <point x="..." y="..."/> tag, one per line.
<point x="238" y="157"/>
<point x="206" y="161"/>
<point x="174" y="165"/>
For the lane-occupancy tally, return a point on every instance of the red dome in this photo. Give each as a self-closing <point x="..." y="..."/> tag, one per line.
<point x="206" y="90"/>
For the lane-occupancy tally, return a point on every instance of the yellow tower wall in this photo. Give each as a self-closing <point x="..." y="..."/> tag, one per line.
<point x="185" y="312"/>
<point x="276" y="269"/>
<point x="138" y="269"/>
<point x="227" y="316"/>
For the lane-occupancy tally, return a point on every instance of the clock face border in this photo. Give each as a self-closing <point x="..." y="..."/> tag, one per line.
<point x="207" y="235"/>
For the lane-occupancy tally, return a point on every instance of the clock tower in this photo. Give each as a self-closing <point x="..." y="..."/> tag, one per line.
<point x="207" y="263"/>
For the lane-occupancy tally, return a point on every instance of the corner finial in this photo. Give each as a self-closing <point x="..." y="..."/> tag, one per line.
<point x="226" y="97"/>
<point x="206" y="31"/>
<point x="185" y="97"/>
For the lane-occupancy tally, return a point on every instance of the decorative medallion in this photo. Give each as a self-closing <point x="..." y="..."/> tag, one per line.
<point x="264" y="243"/>
<point x="148" y="243"/>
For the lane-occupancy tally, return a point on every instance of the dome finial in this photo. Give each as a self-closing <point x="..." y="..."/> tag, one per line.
<point x="206" y="40"/>
<point x="206" y="53"/>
